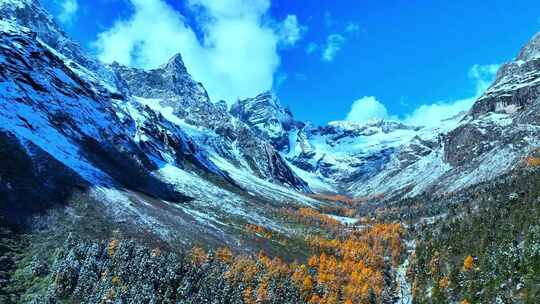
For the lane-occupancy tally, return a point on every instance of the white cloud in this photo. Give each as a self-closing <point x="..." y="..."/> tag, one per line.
<point x="352" y="27"/>
<point x="429" y="114"/>
<point x="367" y="108"/>
<point x="311" y="47"/>
<point x="237" y="57"/>
<point x="432" y="114"/>
<point x="290" y="31"/>
<point x="483" y="76"/>
<point x="334" y="43"/>
<point x="68" y="11"/>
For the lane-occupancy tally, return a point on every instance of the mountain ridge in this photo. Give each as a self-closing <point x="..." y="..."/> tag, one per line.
<point x="114" y="180"/>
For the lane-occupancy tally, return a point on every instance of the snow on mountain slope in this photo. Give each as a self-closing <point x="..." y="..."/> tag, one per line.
<point x="177" y="95"/>
<point x="265" y="115"/>
<point x="395" y="160"/>
<point x="75" y="134"/>
<point x="158" y="153"/>
<point x="501" y="129"/>
<point x="343" y="151"/>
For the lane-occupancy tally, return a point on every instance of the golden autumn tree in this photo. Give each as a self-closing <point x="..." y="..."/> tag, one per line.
<point x="315" y="299"/>
<point x="198" y="256"/>
<point x="262" y="293"/>
<point x="112" y="246"/>
<point x="468" y="263"/>
<point x="224" y="255"/>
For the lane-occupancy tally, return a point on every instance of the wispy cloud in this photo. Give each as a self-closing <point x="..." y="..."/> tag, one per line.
<point x="68" y="11"/>
<point x="481" y="77"/>
<point x="334" y="43"/>
<point x="352" y="27"/>
<point x="281" y="77"/>
<point x="291" y="31"/>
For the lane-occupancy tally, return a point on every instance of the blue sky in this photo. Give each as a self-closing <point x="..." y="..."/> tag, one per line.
<point x="416" y="61"/>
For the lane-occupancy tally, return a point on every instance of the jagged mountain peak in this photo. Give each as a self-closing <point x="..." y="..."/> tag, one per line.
<point x="265" y="114"/>
<point x="31" y="15"/>
<point x="170" y="81"/>
<point x="516" y="86"/>
<point x="531" y="50"/>
<point x="20" y="4"/>
<point x="267" y="101"/>
<point x="175" y="65"/>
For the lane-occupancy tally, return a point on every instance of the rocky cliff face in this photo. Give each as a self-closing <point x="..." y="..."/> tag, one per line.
<point x="157" y="133"/>
<point x="268" y="118"/>
<point x="385" y="157"/>
<point x="147" y="148"/>
<point x="517" y="85"/>
<point x="491" y="139"/>
<point x="172" y="90"/>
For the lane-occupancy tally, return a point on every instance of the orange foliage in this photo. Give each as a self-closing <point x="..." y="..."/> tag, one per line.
<point x="248" y="296"/>
<point x="243" y="269"/>
<point x="444" y="283"/>
<point x="468" y="263"/>
<point x="262" y="293"/>
<point x="532" y="161"/>
<point x="111" y="248"/>
<point x="338" y="210"/>
<point x="198" y="256"/>
<point x="333" y="198"/>
<point x="255" y="273"/>
<point x="258" y="230"/>
<point x="313" y="261"/>
<point x="348" y="268"/>
<point x="224" y="255"/>
<point x="315" y="299"/>
<point x="312" y="217"/>
<point x="352" y="266"/>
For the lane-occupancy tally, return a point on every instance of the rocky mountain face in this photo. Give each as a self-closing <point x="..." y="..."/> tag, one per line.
<point x="167" y="107"/>
<point x="346" y="151"/>
<point x="268" y="118"/>
<point x="74" y="130"/>
<point x="390" y="158"/>
<point x="106" y="150"/>
<point x="172" y="91"/>
<point x="516" y="85"/>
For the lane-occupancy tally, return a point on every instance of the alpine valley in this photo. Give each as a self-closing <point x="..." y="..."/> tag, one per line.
<point x="123" y="185"/>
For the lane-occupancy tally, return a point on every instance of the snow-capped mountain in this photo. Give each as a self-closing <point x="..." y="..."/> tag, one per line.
<point x="148" y="147"/>
<point x="392" y="159"/>
<point x="155" y="151"/>
<point x="268" y="118"/>
<point x="344" y="151"/>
